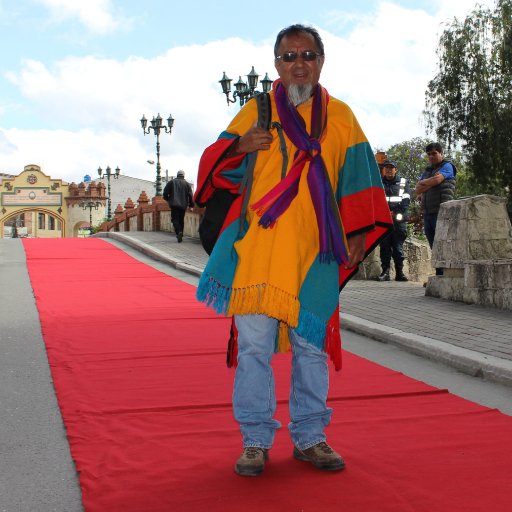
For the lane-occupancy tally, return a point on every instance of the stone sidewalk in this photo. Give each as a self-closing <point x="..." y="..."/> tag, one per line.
<point x="474" y="339"/>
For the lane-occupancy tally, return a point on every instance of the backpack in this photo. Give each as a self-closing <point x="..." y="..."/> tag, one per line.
<point x="219" y="203"/>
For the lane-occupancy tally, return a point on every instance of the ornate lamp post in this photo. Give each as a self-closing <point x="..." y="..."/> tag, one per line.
<point x="244" y="91"/>
<point x="90" y="205"/>
<point x="156" y="126"/>
<point x="108" y="174"/>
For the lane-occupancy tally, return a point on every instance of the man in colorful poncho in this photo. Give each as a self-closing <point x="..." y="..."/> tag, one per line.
<point x="315" y="208"/>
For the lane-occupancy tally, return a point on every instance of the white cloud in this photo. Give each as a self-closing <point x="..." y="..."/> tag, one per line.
<point x="100" y="103"/>
<point x="448" y="9"/>
<point x="96" y="15"/>
<point x="380" y="68"/>
<point x="6" y="146"/>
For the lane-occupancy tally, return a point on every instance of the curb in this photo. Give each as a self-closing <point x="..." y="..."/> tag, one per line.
<point x="467" y="361"/>
<point x="152" y="252"/>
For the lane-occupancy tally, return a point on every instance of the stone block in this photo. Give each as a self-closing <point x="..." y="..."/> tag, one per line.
<point x="506" y="299"/>
<point x="442" y="287"/>
<point x="165" y="222"/>
<point x="503" y="272"/>
<point x="480" y="296"/>
<point x="502" y="298"/>
<point x="472" y="228"/>
<point x="489" y="274"/>
<point x="147" y="221"/>
<point x="454" y="272"/>
<point x="192" y="221"/>
<point x="417" y="266"/>
<point x="478" y="275"/>
<point x="370" y="267"/>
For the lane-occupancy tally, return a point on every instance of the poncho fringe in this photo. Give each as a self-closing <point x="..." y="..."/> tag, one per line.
<point x="262" y="299"/>
<point x="267" y="300"/>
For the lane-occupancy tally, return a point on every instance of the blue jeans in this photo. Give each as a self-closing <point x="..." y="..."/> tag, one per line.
<point x="254" y="401"/>
<point x="429" y="226"/>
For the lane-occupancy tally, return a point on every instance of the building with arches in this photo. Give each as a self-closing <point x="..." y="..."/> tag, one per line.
<point x="33" y="204"/>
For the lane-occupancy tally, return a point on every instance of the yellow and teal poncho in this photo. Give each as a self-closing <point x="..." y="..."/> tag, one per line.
<point x="277" y="271"/>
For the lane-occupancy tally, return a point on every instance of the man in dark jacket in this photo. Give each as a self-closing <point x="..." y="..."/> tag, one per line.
<point x="178" y="194"/>
<point x="398" y="196"/>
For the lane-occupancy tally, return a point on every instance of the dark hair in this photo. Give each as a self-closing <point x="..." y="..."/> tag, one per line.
<point x="434" y="146"/>
<point x="293" y="30"/>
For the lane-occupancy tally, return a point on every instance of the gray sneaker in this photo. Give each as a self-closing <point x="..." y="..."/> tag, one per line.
<point x="252" y="461"/>
<point x="321" y="456"/>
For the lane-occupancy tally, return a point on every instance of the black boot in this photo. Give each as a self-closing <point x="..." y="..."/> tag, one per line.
<point x="399" y="274"/>
<point x="384" y="276"/>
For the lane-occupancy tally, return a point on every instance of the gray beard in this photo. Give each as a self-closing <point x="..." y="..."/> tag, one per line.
<point x="298" y="94"/>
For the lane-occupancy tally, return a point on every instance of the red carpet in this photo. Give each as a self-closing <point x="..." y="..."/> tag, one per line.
<point x="139" y="371"/>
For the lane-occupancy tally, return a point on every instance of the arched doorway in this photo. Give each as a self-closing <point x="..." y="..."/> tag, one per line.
<point x="34" y="223"/>
<point x="82" y="229"/>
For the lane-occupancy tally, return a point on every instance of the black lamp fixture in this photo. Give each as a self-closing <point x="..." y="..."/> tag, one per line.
<point x="244" y="91"/>
<point x="157" y="126"/>
<point x="90" y="205"/>
<point x="108" y="174"/>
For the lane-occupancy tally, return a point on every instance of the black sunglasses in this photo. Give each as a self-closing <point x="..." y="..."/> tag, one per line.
<point x="308" y="55"/>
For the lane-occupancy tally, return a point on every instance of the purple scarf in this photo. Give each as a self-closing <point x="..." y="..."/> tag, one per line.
<point x="277" y="200"/>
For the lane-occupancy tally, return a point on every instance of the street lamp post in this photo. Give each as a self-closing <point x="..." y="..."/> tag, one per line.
<point x="156" y="126"/>
<point x="244" y="91"/>
<point x="108" y="174"/>
<point x="90" y="205"/>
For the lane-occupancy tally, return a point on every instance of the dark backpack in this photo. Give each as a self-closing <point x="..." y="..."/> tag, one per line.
<point x="219" y="203"/>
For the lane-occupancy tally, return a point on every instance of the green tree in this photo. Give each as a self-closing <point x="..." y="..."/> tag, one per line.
<point x="410" y="158"/>
<point x="469" y="100"/>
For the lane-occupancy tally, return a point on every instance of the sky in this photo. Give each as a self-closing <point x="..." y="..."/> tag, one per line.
<point x="76" y="76"/>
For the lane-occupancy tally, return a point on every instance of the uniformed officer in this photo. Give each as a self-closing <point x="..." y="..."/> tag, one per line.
<point x="398" y="195"/>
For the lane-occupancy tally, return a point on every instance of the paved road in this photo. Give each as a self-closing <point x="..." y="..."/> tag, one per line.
<point x="37" y="473"/>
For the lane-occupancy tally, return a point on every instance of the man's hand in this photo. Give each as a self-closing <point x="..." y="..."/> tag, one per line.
<point x="428" y="183"/>
<point x="356" y="247"/>
<point x="255" y="139"/>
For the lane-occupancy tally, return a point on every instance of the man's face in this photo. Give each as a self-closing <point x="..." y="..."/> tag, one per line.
<point x="435" y="157"/>
<point x="389" y="172"/>
<point x="299" y="72"/>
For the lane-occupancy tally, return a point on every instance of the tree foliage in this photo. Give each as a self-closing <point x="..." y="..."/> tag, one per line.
<point x="410" y="158"/>
<point x="469" y="100"/>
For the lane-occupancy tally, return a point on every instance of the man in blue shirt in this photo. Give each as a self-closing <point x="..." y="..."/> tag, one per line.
<point x="436" y="186"/>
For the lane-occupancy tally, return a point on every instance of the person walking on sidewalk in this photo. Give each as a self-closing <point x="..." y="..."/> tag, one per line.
<point x="398" y="196"/>
<point x="314" y="208"/>
<point x="435" y="186"/>
<point x="178" y="194"/>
